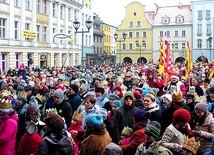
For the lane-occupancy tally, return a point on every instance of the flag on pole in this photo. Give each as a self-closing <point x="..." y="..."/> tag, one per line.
<point x="161" y="60"/>
<point x="188" y="61"/>
<point x="211" y="73"/>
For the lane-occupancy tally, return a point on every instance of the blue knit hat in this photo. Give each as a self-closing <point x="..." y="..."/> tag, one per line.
<point x="147" y="90"/>
<point x="141" y="115"/>
<point x="116" y="103"/>
<point x="94" y="120"/>
<point x="178" y="152"/>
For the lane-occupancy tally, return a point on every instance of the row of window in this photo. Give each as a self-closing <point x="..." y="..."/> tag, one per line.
<point x="201" y="14"/>
<point x="176" y="33"/>
<point x="200" y="28"/>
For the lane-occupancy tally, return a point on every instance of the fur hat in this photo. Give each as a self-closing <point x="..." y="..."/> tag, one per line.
<point x="141" y="115"/>
<point x="113" y="97"/>
<point x="55" y="122"/>
<point x="201" y="106"/>
<point x="74" y="87"/>
<point x="130" y="94"/>
<point x="94" y="120"/>
<point x="177" y="98"/>
<point x="154" y="128"/>
<point x="117" y="103"/>
<point x="182" y="115"/>
<point x="113" y="149"/>
<point x="137" y="95"/>
<point x="59" y="93"/>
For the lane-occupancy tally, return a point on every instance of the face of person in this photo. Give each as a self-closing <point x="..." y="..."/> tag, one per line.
<point x="189" y="100"/>
<point x="114" y="108"/>
<point x="174" y="80"/>
<point x="194" y="82"/>
<point x="149" y="138"/>
<point x="199" y="113"/>
<point x="166" y="102"/>
<point x="116" y="92"/>
<point x="212" y="96"/>
<point x="98" y="94"/>
<point x="70" y="92"/>
<point x="128" y="101"/>
<point x="88" y="104"/>
<point x="147" y="102"/>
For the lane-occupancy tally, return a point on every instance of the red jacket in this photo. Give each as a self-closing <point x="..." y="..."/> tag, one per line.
<point x="29" y="144"/>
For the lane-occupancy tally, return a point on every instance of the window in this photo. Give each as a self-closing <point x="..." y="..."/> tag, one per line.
<point x="200" y="14"/>
<point x="3" y="1"/>
<point x="69" y="14"/>
<point x="27" y="4"/>
<point x="144" y="34"/>
<point x="54" y="31"/>
<point x="27" y="26"/>
<point x="89" y="40"/>
<point x="168" y="33"/>
<point x="176" y="33"/>
<point x="61" y="12"/>
<point x="86" y="40"/>
<point x="124" y="46"/>
<point x="183" y="45"/>
<point x="54" y="13"/>
<point x="44" y="6"/>
<point x="208" y="28"/>
<point x="130" y="46"/>
<point x="37" y="6"/>
<point x="207" y="13"/>
<point x="130" y="35"/>
<point x="161" y="33"/>
<point x="2" y="28"/>
<point x="16" y="3"/>
<point x="44" y="34"/>
<point x="176" y="46"/>
<point x="199" y="43"/>
<point x="138" y="23"/>
<point x="15" y="29"/>
<point x="37" y="31"/>
<point x="183" y="33"/>
<point x="180" y="20"/>
<point x="137" y="35"/>
<point x="199" y="28"/>
<point x="17" y="60"/>
<point x="130" y="24"/>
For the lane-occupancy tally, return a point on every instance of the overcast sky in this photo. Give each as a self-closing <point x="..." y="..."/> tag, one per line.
<point x="113" y="11"/>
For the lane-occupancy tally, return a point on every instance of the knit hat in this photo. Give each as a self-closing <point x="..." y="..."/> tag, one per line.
<point x="175" y="77"/>
<point x="201" y="106"/>
<point x="94" y="120"/>
<point x="113" y="97"/>
<point x="20" y="88"/>
<point x="33" y="104"/>
<point x="61" y="86"/>
<point x="137" y="95"/>
<point x="74" y="87"/>
<point x="182" y="115"/>
<point x="113" y="149"/>
<point x="90" y="93"/>
<point x="154" y="128"/>
<point x="59" y="93"/>
<point x="118" y="88"/>
<point x="84" y="86"/>
<point x="141" y="115"/>
<point x="116" y="103"/>
<point x="130" y="94"/>
<point x="146" y="91"/>
<point x="55" y="122"/>
<point x="4" y="86"/>
<point x="168" y="97"/>
<point x="103" y="112"/>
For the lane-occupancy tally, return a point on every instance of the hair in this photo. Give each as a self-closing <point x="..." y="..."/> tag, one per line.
<point x="91" y="99"/>
<point x="151" y="96"/>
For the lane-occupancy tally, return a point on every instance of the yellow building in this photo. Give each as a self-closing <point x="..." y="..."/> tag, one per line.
<point x="107" y="38"/>
<point x="137" y="46"/>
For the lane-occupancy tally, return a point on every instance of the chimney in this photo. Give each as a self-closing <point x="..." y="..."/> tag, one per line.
<point x="180" y="4"/>
<point x="155" y="7"/>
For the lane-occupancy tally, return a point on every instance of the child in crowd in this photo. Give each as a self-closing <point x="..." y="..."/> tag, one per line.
<point x="126" y="135"/>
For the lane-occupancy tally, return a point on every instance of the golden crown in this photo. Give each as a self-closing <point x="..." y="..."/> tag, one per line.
<point x="77" y="116"/>
<point x="177" y="97"/>
<point x="4" y="93"/>
<point x="5" y="103"/>
<point x="191" y="144"/>
<point x="41" y="98"/>
<point x="22" y="94"/>
<point x="127" y="131"/>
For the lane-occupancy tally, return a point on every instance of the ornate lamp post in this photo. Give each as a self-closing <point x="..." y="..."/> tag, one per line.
<point x="140" y="45"/>
<point x="120" y="41"/>
<point x="76" y="25"/>
<point x="210" y="45"/>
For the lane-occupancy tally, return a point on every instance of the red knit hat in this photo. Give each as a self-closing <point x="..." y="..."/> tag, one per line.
<point x="137" y="94"/>
<point x="182" y="115"/>
<point x="118" y="88"/>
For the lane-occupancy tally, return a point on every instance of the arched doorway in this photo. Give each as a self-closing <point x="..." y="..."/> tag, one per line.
<point x="142" y="60"/>
<point x="202" y="59"/>
<point x="127" y="60"/>
<point x="180" y="59"/>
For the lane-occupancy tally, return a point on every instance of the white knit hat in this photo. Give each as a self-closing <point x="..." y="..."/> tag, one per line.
<point x="168" y="97"/>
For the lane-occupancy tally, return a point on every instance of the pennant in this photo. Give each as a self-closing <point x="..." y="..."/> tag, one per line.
<point x="188" y="62"/>
<point x="161" y="60"/>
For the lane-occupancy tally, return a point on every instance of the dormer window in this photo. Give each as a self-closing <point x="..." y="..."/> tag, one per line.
<point x="165" y="20"/>
<point x="179" y="19"/>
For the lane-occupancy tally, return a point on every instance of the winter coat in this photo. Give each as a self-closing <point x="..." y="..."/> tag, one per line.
<point x="154" y="148"/>
<point x="138" y="104"/>
<point x="172" y="138"/>
<point x="95" y="142"/>
<point x="8" y="131"/>
<point x="123" y="117"/>
<point x="29" y="144"/>
<point x="55" y="144"/>
<point x="74" y="101"/>
<point x="137" y="138"/>
<point x="206" y="132"/>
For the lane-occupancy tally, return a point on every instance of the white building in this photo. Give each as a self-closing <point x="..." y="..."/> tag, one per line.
<point x="174" y="22"/>
<point x="28" y="27"/>
<point x="203" y="26"/>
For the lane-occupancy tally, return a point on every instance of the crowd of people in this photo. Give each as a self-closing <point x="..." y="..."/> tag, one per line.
<point x="121" y="109"/>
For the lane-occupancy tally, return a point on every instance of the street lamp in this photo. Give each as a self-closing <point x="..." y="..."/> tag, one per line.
<point x="120" y="41"/>
<point x="210" y="44"/>
<point x="76" y="25"/>
<point x="140" y="45"/>
<point x="173" y="51"/>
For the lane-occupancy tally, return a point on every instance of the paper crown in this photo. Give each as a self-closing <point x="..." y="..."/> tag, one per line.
<point x="191" y="144"/>
<point x="77" y="116"/>
<point x="201" y="99"/>
<point x="65" y="83"/>
<point x="51" y="111"/>
<point x="22" y="94"/>
<point x="127" y="131"/>
<point x="5" y="103"/>
<point x="173" y="89"/>
<point x="41" y="98"/>
<point x="192" y="90"/>
<point x="177" y="97"/>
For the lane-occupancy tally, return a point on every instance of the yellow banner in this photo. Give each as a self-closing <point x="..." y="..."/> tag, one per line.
<point x="29" y="34"/>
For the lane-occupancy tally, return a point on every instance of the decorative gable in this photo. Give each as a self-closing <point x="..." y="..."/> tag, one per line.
<point x="179" y="19"/>
<point x="165" y="19"/>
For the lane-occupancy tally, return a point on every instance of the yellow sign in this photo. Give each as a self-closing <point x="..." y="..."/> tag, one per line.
<point x="87" y="2"/>
<point x="29" y="34"/>
<point x="70" y="41"/>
